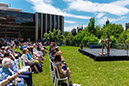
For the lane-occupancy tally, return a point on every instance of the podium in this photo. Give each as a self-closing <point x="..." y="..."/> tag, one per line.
<point x="102" y="53"/>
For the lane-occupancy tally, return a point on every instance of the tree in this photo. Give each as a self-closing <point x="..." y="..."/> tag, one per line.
<point x="78" y="38"/>
<point x="98" y="32"/>
<point x="91" y="26"/>
<point x="112" y="29"/>
<point x="59" y="36"/>
<point x="73" y="32"/>
<point x="51" y="36"/>
<point x="92" y="39"/>
<point x="66" y="33"/>
<point x="69" y="39"/>
<point x="54" y="36"/>
<point x="54" y="32"/>
<point x="113" y="39"/>
<point x="46" y="36"/>
<point x="122" y="38"/>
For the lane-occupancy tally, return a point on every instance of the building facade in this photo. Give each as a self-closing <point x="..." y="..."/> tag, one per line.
<point x="127" y="26"/>
<point x="17" y="24"/>
<point x="45" y="23"/>
<point x="79" y="28"/>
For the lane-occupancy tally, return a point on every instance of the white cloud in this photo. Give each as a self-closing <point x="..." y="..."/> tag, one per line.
<point x="71" y="22"/>
<point x="75" y="16"/>
<point x="46" y="7"/>
<point x="123" y="17"/>
<point x="121" y="2"/>
<point x="69" y="28"/>
<point x="100" y="15"/>
<point x="48" y="1"/>
<point x="104" y="19"/>
<point x="116" y="7"/>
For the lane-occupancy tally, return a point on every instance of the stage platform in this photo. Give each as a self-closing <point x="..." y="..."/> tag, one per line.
<point x="115" y="54"/>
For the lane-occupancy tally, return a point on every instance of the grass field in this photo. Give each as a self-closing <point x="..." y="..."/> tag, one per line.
<point x="87" y="72"/>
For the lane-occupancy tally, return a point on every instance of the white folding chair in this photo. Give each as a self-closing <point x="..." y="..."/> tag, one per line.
<point x="13" y="57"/>
<point x="20" y="69"/>
<point x="52" y="71"/>
<point x="23" y="67"/>
<point x="17" y="62"/>
<point x="57" y="77"/>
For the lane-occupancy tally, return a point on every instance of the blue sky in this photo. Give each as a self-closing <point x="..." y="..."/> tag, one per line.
<point x="78" y="12"/>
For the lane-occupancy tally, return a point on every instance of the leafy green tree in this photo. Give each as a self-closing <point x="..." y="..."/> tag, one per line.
<point x="122" y="38"/>
<point x="69" y="39"/>
<point x="51" y="36"/>
<point x="112" y="29"/>
<point x="118" y="30"/>
<point x="54" y="32"/>
<point x="80" y="35"/>
<point x="127" y="41"/>
<point x="128" y="29"/>
<point x="98" y="32"/>
<point x="92" y="39"/>
<point x="91" y="26"/>
<point x="66" y="33"/>
<point x="91" y="33"/>
<point x="113" y="39"/>
<point x="46" y="36"/>
<point x="59" y="36"/>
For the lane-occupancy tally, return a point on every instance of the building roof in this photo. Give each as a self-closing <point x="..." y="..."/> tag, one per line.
<point x="10" y="9"/>
<point x="3" y="5"/>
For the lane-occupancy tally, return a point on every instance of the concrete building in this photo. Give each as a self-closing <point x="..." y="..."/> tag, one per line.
<point x="4" y="6"/>
<point x="45" y="23"/>
<point x="79" y="28"/>
<point x="14" y="23"/>
<point x="127" y="26"/>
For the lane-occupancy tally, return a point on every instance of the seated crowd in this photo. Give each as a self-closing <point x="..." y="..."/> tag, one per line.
<point x="10" y="72"/>
<point x="58" y="60"/>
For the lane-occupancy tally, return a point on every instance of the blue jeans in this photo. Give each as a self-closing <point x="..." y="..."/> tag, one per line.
<point x="21" y="83"/>
<point x="30" y="64"/>
<point x="27" y="77"/>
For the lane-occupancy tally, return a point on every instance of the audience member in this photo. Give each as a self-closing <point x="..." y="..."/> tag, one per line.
<point x="5" y="72"/>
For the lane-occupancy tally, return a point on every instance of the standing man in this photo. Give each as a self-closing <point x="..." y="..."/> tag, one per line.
<point x="108" y="44"/>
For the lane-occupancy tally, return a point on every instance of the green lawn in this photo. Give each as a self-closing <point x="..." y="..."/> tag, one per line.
<point x="86" y="71"/>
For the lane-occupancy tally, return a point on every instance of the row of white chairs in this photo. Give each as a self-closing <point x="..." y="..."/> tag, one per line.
<point x="23" y="67"/>
<point x="20" y="64"/>
<point x="55" y="74"/>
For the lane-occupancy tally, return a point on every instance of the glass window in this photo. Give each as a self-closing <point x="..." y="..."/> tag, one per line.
<point x="39" y="25"/>
<point x="16" y="22"/>
<point x="48" y="23"/>
<point x="56" y="23"/>
<point x="52" y="23"/>
<point x="16" y="18"/>
<point x="44" y="23"/>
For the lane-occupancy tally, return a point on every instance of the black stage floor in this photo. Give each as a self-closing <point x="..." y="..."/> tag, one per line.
<point x="115" y="54"/>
